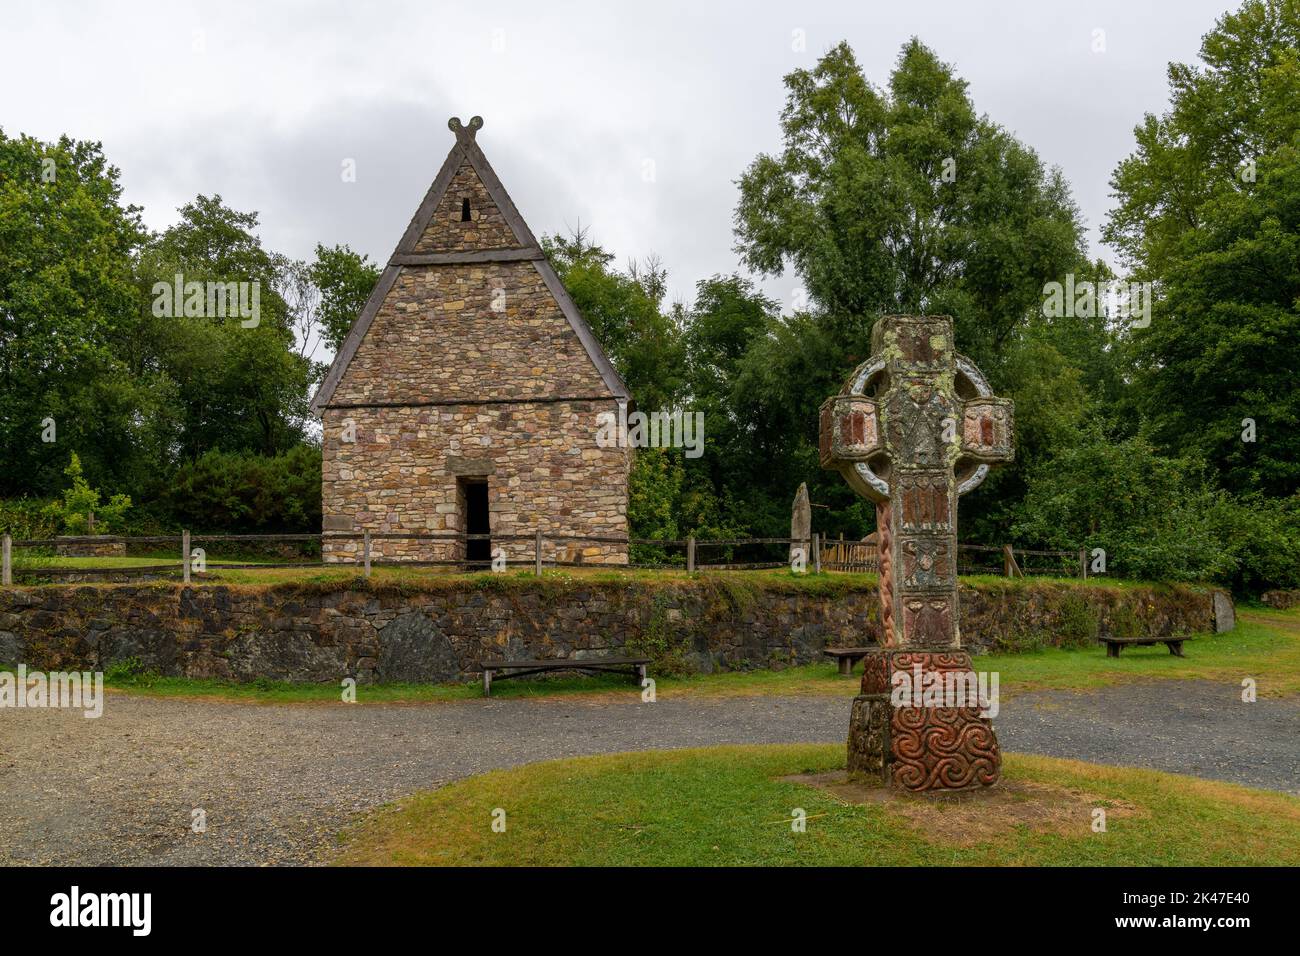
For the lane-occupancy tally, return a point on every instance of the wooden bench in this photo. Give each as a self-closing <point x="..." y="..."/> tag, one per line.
<point x="1114" y="644"/>
<point x="636" y="666"/>
<point x="848" y="656"/>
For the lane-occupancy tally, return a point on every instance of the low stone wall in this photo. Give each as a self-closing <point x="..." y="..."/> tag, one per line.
<point x="439" y="632"/>
<point x="97" y="546"/>
<point x="1282" y="600"/>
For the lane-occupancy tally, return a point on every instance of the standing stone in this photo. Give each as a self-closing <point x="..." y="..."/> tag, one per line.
<point x="915" y="426"/>
<point x="1225" y="618"/>
<point x="801" y="523"/>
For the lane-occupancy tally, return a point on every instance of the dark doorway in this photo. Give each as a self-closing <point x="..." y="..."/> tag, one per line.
<point x="474" y="493"/>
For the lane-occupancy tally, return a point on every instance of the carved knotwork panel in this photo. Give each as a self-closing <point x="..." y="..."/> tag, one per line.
<point x="868" y="744"/>
<point x="918" y="417"/>
<point x="876" y="674"/>
<point x="942" y="748"/>
<point x="925" y="344"/>
<point x="925" y="748"/>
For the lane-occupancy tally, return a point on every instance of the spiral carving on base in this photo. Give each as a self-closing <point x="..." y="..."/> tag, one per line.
<point x="942" y="748"/>
<point x="927" y="748"/>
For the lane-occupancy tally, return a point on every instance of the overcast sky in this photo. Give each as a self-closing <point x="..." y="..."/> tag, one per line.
<point x="263" y="102"/>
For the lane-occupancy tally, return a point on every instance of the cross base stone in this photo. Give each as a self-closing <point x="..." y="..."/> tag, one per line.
<point x="919" y="748"/>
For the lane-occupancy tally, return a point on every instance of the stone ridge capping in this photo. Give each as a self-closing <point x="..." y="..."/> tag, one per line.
<point x="464" y="150"/>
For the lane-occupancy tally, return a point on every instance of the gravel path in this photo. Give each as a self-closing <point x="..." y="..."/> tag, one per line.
<point x="277" y="782"/>
<point x="1197" y="727"/>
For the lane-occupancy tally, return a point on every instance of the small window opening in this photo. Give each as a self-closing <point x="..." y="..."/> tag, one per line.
<point x="464" y="210"/>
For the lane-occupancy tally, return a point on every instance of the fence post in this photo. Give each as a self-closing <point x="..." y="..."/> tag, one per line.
<point x="365" y="551"/>
<point x="1008" y="561"/>
<point x="537" y="555"/>
<point x="817" y="553"/>
<point x="90" y="522"/>
<point x="690" y="555"/>
<point x="185" y="556"/>
<point x="7" y="559"/>
<point x="1083" y="563"/>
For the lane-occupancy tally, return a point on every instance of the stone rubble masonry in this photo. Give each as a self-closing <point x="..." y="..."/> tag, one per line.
<point x="437" y="337"/>
<point x="442" y="631"/>
<point x="1282" y="600"/>
<point x="107" y="546"/>
<point x="544" y="469"/>
<point x="471" y="370"/>
<point x="487" y="228"/>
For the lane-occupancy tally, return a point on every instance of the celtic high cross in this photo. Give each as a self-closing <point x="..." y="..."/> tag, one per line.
<point x="915" y="426"/>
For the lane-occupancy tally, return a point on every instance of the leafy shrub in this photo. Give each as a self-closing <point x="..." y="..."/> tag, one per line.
<point x="81" y="501"/>
<point x="1150" y="514"/>
<point x="1079" y="625"/>
<point x="244" y="492"/>
<point x="27" y="519"/>
<point x="1262" y="539"/>
<point x="129" y="670"/>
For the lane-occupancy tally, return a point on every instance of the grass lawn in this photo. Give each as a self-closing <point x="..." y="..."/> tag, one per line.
<point x="320" y="574"/>
<point x="727" y="806"/>
<point x="1265" y="645"/>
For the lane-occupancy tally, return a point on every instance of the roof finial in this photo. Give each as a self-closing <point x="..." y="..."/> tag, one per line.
<point x="465" y="133"/>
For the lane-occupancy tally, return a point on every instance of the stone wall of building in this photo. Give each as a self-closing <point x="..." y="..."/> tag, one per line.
<point x="438" y="337"/>
<point x="486" y="228"/>
<point x="437" y="633"/>
<point x="468" y="373"/>
<point x="543" y="467"/>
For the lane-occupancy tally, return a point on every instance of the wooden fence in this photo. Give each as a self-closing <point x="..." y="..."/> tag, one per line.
<point x="547" y="550"/>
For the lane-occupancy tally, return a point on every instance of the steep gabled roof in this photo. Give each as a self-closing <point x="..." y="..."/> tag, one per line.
<point x="466" y="150"/>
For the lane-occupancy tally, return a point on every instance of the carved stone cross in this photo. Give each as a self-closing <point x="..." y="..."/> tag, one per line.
<point x="915" y="426"/>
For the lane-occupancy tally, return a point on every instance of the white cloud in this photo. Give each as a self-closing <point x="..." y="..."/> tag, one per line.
<point x="262" y="102"/>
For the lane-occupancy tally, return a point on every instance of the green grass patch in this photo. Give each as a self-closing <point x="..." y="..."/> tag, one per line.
<point x="726" y="806"/>
<point x="1265" y="646"/>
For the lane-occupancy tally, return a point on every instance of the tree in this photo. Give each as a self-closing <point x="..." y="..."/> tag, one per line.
<point x="905" y="200"/>
<point x="902" y="200"/>
<point x="68" y="302"/>
<point x="625" y="314"/>
<point x="344" y="280"/>
<point x="81" y="502"/>
<point x="1150" y="514"/>
<point x="1208" y="208"/>
<point x="241" y="382"/>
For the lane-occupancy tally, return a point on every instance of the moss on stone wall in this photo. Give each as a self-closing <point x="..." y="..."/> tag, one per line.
<point x="440" y="628"/>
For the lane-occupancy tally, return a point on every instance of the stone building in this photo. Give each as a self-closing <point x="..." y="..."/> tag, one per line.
<point x="467" y="396"/>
